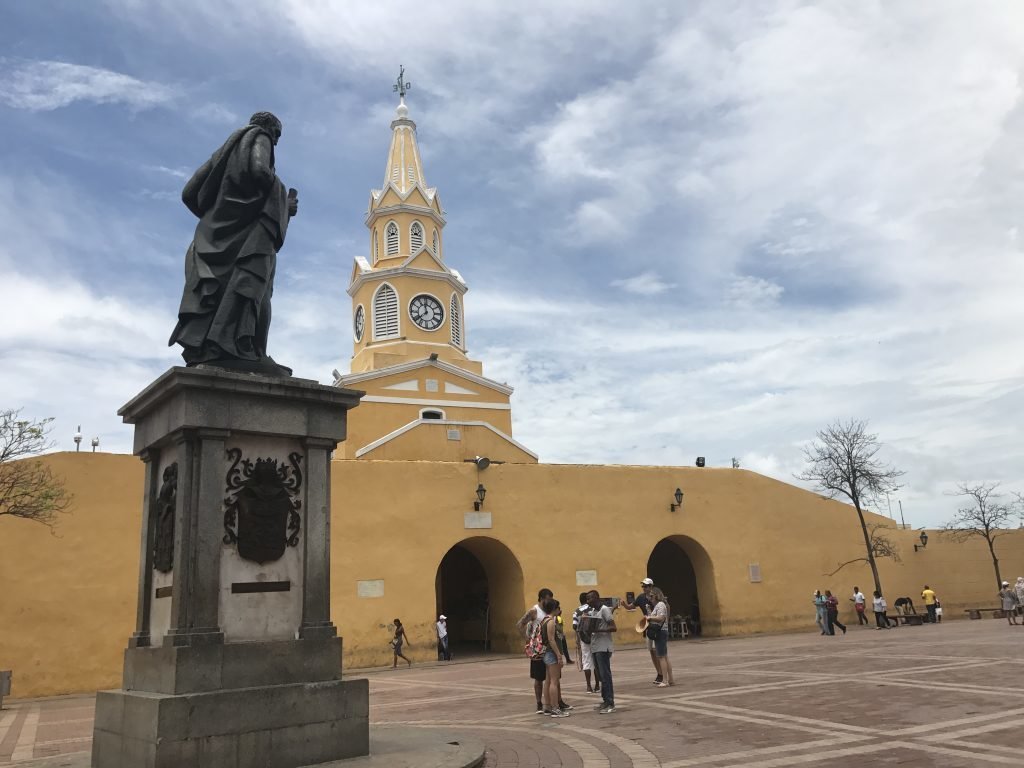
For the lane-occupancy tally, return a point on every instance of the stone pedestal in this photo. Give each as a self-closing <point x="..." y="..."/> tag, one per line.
<point x="234" y="660"/>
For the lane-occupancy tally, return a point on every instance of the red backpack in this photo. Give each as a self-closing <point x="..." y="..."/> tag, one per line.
<point x="535" y="646"/>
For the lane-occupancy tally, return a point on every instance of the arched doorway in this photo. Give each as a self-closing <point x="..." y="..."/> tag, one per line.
<point x="682" y="569"/>
<point x="479" y="587"/>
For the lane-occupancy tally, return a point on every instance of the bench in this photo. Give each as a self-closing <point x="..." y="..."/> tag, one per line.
<point x="975" y="613"/>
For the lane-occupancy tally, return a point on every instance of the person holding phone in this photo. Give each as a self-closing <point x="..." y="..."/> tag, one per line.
<point x="645" y="603"/>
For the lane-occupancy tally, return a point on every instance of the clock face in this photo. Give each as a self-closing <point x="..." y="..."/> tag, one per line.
<point x="359" y="323"/>
<point x="426" y="312"/>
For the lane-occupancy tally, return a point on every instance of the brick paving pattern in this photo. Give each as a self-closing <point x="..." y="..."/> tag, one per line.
<point x="944" y="695"/>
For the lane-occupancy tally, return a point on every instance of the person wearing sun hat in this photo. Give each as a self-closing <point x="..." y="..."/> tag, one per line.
<point x="443" y="651"/>
<point x="645" y="603"/>
<point x="1008" y="598"/>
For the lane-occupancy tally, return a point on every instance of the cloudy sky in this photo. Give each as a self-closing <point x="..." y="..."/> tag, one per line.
<point x="707" y="228"/>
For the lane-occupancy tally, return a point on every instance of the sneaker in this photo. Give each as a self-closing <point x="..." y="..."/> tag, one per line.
<point x="607" y="710"/>
<point x="662" y="684"/>
<point x="657" y="680"/>
<point x="540" y="709"/>
<point x="600" y="707"/>
<point x="564" y="707"/>
<point x="559" y="713"/>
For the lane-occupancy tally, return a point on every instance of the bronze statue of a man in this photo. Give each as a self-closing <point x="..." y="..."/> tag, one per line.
<point x="243" y="211"/>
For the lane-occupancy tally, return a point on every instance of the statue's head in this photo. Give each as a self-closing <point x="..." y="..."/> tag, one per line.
<point x="269" y="122"/>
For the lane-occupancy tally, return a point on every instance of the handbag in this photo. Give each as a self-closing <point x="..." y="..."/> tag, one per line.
<point x="651" y="633"/>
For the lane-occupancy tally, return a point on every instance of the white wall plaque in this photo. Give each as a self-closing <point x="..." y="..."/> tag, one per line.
<point x="370" y="588"/>
<point x="755" y="572"/>
<point x="586" y="578"/>
<point x="431" y="385"/>
<point x="477" y="520"/>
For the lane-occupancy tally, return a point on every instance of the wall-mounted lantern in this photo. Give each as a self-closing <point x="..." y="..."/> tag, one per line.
<point x="678" y="495"/>
<point x="481" y="492"/>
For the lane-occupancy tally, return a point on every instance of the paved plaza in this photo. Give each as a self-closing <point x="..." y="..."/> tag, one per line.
<point x="944" y="695"/>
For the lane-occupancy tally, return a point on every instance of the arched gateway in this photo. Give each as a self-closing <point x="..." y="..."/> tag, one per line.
<point x="682" y="569"/>
<point x="479" y="587"/>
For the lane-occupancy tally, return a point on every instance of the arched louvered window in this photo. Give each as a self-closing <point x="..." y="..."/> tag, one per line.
<point x="391" y="235"/>
<point x="415" y="237"/>
<point x="385" y="312"/>
<point x="376" y="246"/>
<point x="436" y="253"/>
<point x="455" y="319"/>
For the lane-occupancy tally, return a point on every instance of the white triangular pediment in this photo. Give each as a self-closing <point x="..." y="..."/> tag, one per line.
<point x="455" y="389"/>
<point x="412" y="385"/>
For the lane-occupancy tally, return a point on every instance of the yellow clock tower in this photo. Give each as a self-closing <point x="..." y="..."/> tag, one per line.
<point x="425" y="398"/>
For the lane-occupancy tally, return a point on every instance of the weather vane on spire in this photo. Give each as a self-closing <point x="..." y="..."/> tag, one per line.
<point x="401" y="86"/>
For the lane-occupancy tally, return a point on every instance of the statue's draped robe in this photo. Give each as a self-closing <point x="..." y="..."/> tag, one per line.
<point x="229" y="267"/>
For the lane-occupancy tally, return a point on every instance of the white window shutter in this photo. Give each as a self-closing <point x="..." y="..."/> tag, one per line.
<point x="392" y="239"/>
<point x="415" y="237"/>
<point x="385" y="313"/>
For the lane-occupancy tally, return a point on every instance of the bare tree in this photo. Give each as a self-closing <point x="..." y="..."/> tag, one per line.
<point x="28" y="488"/>
<point x="881" y="546"/>
<point x="843" y="462"/>
<point x="986" y="517"/>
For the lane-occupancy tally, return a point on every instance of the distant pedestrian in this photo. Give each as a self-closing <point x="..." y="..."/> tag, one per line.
<point x="659" y="618"/>
<point x="880" y="607"/>
<point x="1019" y="589"/>
<point x="602" y="626"/>
<point x="820" y="611"/>
<point x="397" y="642"/>
<point x="928" y="595"/>
<point x="527" y="624"/>
<point x="1009" y="600"/>
<point x="584" y="659"/>
<point x="832" y="613"/>
<point x="858" y="605"/>
<point x="443" y="651"/>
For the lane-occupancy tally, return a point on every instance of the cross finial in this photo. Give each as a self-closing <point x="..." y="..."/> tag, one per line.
<point x="401" y="87"/>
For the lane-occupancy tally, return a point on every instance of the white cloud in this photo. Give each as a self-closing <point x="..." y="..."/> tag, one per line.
<point x="48" y="85"/>
<point x="749" y="292"/>
<point x="644" y="284"/>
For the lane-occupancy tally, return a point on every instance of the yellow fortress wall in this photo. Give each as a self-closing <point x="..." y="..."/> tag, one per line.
<point x="69" y="597"/>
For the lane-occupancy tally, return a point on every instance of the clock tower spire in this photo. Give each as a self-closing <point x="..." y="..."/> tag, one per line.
<point x="406" y="302"/>
<point x="424" y="398"/>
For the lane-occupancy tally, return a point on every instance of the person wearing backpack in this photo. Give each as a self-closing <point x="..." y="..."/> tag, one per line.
<point x="554" y="660"/>
<point x="528" y="623"/>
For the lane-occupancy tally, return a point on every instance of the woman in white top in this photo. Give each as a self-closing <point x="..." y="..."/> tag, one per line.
<point x="659" y="619"/>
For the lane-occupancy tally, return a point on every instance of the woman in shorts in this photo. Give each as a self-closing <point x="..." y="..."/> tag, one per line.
<point x="659" y="618"/>
<point x="553" y="660"/>
<point x="397" y="641"/>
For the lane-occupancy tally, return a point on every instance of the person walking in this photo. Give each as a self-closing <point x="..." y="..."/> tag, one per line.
<point x="820" y="611"/>
<point x="659" y="618"/>
<point x="584" y="659"/>
<point x="832" y="613"/>
<point x="858" y="605"/>
<point x="645" y="603"/>
<point x="1019" y="589"/>
<point x="396" y="643"/>
<point x="928" y="595"/>
<point x="602" y="626"/>
<point x="443" y="651"/>
<point x="1009" y="600"/>
<point x="880" y="607"/>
